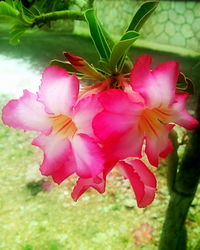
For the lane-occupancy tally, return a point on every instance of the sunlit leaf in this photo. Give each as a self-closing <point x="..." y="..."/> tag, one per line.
<point x="8" y="11"/>
<point x="97" y="34"/>
<point x="120" y="49"/>
<point x="142" y="15"/>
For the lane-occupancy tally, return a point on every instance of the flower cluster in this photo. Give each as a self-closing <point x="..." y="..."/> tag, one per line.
<point x="90" y="132"/>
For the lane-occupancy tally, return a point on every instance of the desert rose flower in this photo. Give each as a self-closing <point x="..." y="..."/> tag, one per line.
<point x="64" y="123"/>
<point x="142" y="181"/>
<point x="144" y="114"/>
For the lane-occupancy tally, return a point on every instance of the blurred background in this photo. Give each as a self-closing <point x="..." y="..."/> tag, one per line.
<point x="34" y="212"/>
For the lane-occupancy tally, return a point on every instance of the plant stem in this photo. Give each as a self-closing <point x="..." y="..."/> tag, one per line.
<point x="56" y="15"/>
<point x="172" y="163"/>
<point x="173" y="235"/>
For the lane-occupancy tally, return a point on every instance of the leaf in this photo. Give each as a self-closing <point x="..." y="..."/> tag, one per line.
<point x="142" y="15"/>
<point x="16" y="35"/>
<point x="84" y="67"/>
<point x="8" y="11"/>
<point x="27" y="15"/>
<point x="10" y="2"/>
<point x="97" y="34"/>
<point x="35" y="11"/>
<point x="120" y="49"/>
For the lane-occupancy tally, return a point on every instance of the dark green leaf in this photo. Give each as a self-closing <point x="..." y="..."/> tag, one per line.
<point x="120" y="49"/>
<point x="27" y="15"/>
<point x="35" y="11"/>
<point x="142" y="15"/>
<point x="97" y="35"/>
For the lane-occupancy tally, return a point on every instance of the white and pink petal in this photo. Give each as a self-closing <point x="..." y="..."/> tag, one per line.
<point x="88" y="156"/>
<point x="58" y="90"/>
<point x="182" y="117"/>
<point x="26" y="113"/>
<point x="156" y="86"/>
<point x="58" y="159"/>
<point x="84" y="112"/>
<point x="159" y="146"/>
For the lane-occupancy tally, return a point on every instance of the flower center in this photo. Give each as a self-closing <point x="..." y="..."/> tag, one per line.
<point x="63" y="125"/>
<point x="152" y="120"/>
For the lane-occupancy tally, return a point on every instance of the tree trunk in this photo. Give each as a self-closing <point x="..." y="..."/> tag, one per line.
<point x="174" y="234"/>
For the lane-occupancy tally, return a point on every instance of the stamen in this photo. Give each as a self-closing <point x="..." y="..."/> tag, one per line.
<point x="152" y="120"/>
<point x="63" y="125"/>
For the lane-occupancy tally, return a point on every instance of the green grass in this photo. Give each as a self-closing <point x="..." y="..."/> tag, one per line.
<point x="51" y="220"/>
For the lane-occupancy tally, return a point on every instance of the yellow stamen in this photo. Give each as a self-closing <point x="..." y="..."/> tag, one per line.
<point x="63" y="125"/>
<point x="152" y="120"/>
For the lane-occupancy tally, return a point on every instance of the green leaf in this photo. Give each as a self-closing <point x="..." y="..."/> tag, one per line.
<point x="8" y="11"/>
<point x="97" y="34"/>
<point x="27" y="15"/>
<point x="142" y="15"/>
<point x="16" y="35"/>
<point x="120" y="49"/>
<point x="10" y="2"/>
<point x="35" y="11"/>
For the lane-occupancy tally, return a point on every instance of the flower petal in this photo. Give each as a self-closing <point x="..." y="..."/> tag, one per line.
<point x="26" y="113"/>
<point x="58" y="161"/>
<point x="142" y="181"/>
<point x="156" y="86"/>
<point x="117" y="101"/>
<point x="107" y="124"/>
<point x="58" y="91"/>
<point x="158" y="146"/>
<point x="84" y="113"/>
<point x="98" y="182"/>
<point x="182" y="117"/>
<point x="83" y="184"/>
<point x="88" y="156"/>
<point x="126" y="145"/>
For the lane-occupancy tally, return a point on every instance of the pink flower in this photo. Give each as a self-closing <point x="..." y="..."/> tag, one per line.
<point x="66" y="134"/>
<point x="141" y="179"/>
<point x="143" y="114"/>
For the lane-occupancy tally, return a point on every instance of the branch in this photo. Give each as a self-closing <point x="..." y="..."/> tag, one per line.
<point x="173" y="235"/>
<point x="57" y="15"/>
